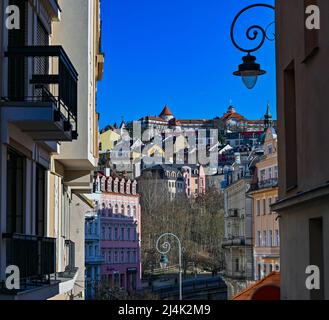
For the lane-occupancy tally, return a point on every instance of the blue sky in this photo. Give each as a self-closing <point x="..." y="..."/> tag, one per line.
<point x="179" y="52"/>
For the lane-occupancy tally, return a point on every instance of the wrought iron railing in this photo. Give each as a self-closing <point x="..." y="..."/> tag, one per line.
<point x="34" y="256"/>
<point x="263" y="184"/>
<point x="59" y="87"/>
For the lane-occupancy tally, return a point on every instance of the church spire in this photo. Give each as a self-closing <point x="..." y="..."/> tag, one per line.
<point x="268" y="117"/>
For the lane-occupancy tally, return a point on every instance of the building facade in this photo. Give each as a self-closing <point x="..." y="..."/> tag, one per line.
<point x="175" y="180"/>
<point x="264" y="192"/>
<point x="120" y="232"/>
<point x="302" y="96"/>
<point x="45" y="167"/>
<point x="238" y="239"/>
<point x="93" y="257"/>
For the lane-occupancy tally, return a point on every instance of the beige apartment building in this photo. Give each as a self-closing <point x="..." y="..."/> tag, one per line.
<point x="303" y="113"/>
<point x="238" y="242"/>
<point x="264" y="193"/>
<point x="49" y="141"/>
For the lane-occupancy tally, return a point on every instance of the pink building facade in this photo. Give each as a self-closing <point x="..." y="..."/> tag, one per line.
<point x="120" y="219"/>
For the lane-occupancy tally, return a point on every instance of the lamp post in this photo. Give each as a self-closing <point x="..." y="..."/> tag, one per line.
<point x="250" y="70"/>
<point x="164" y="249"/>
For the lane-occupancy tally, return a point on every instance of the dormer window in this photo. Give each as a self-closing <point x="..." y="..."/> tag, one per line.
<point x="128" y="186"/>
<point x="102" y="184"/>
<point x="115" y="185"/>
<point x="133" y="191"/>
<point x="109" y="184"/>
<point x="122" y="186"/>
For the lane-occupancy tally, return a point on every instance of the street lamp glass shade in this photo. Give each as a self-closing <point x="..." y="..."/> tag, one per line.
<point x="163" y="261"/>
<point x="249" y="79"/>
<point x="249" y="71"/>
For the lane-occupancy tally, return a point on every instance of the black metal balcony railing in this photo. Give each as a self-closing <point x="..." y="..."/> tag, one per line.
<point x="34" y="256"/>
<point x="263" y="184"/>
<point x="59" y="87"/>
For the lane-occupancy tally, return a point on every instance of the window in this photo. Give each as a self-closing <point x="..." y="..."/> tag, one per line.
<point x="237" y="267"/>
<point x="128" y="211"/>
<point x="258" y="207"/>
<point x="258" y="239"/>
<point x="116" y="256"/>
<point x="128" y="233"/>
<point x="265" y="271"/>
<point x="277" y="238"/>
<point x="116" y="209"/>
<point x="270" y="238"/>
<point x="110" y="257"/>
<point x="122" y="257"/>
<point x="40" y="201"/>
<point x="290" y="126"/>
<point x="264" y="206"/>
<point x="123" y="209"/>
<point x="271" y="268"/>
<point x="264" y="239"/>
<point x="115" y="233"/>
<point x="269" y="205"/>
<point x="110" y="234"/>
<point x="270" y="149"/>
<point x="259" y="271"/>
<point x="122" y="233"/>
<point x="262" y="175"/>
<point x="128" y="256"/>
<point x="270" y="173"/>
<point x="103" y="233"/>
<point x="16" y="170"/>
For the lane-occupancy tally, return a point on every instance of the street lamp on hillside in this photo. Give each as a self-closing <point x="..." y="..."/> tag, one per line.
<point x="250" y="70"/>
<point x="163" y="249"/>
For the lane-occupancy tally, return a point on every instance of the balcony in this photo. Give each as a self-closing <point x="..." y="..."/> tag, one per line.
<point x="92" y="237"/>
<point x="236" y="242"/>
<point x="95" y="260"/>
<point x="36" y="259"/>
<point x="41" y="103"/>
<point x="264" y="184"/>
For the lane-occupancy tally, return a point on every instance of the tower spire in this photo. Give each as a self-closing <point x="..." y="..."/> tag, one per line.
<point x="268" y="117"/>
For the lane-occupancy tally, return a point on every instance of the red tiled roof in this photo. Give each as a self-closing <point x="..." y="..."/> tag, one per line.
<point x="265" y="289"/>
<point x="229" y="115"/>
<point x="166" y="112"/>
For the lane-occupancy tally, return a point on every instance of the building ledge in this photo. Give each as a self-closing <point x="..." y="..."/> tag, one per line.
<point x="59" y="284"/>
<point x="301" y="198"/>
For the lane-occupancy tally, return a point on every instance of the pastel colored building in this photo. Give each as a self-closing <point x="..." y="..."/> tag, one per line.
<point x="174" y="180"/>
<point x="93" y="257"/>
<point x="120" y="231"/>
<point x="265" y="220"/>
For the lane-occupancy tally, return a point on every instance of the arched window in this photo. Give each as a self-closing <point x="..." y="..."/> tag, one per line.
<point x="122" y="209"/>
<point x="116" y="209"/>
<point x="128" y="211"/>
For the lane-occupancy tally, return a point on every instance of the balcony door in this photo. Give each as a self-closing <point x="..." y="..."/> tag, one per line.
<point x="16" y="190"/>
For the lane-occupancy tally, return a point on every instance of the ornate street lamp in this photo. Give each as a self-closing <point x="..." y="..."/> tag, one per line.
<point x="166" y="247"/>
<point x="249" y="70"/>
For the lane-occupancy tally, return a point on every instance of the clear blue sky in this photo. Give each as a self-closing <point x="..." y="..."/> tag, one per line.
<point x="178" y="52"/>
